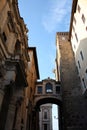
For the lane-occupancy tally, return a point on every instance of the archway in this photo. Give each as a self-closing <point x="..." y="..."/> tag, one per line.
<point x="46" y="101"/>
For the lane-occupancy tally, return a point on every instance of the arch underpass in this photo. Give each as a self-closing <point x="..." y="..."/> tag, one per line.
<point x="48" y="99"/>
<point x="48" y="91"/>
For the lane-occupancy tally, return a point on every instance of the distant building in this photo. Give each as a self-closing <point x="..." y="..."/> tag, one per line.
<point x="78" y="39"/>
<point x="45" y="117"/>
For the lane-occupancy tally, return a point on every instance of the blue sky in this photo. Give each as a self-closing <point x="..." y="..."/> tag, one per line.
<point x="43" y="19"/>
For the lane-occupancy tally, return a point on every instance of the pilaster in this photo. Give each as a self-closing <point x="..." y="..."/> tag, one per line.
<point x="1" y="97"/>
<point x="10" y="116"/>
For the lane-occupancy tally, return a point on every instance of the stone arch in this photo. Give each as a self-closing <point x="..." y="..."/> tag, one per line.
<point x="53" y="101"/>
<point x="48" y="100"/>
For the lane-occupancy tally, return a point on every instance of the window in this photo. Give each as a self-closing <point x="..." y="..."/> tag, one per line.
<point x="83" y="18"/>
<point x="79" y="64"/>
<point x="81" y="55"/>
<point x="45" y="115"/>
<point x="83" y="82"/>
<point x="73" y="28"/>
<point x="49" y="88"/>
<point x="39" y="91"/>
<point x="17" y="47"/>
<point x="22" y="124"/>
<point x="57" y="89"/>
<point x="86" y="28"/>
<point x="10" y="24"/>
<point x="86" y="73"/>
<point x="76" y="37"/>
<point x="74" y="20"/>
<point x="30" y="89"/>
<point x="74" y="47"/>
<point x="4" y="37"/>
<point x="45" y="126"/>
<point x="77" y="70"/>
<point x="79" y="9"/>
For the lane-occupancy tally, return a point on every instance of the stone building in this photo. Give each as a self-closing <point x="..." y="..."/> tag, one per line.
<point x="48" y="91"/>
<point x="18" y="70"/>
<point x="32" y="76"/>
<point x="78" y="38"/>
<point x="45" y="117"/>
<point x="74" y="113"/>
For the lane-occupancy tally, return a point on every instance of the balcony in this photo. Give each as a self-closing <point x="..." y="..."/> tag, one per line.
<point x="19" y="64"/>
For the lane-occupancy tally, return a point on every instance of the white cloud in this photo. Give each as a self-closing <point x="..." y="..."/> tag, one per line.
<point x="59" y="12"/>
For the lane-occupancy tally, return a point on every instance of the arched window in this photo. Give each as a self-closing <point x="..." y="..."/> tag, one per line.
<point x="17" y="47"/>
<point x="49" y="88"/>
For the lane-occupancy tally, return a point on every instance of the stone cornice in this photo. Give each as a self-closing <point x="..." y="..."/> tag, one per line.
<point x="22" y="32"/>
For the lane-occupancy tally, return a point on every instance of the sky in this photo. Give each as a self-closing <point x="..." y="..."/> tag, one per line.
<point x="55" y="117"/>
<point x="43" y="19"/>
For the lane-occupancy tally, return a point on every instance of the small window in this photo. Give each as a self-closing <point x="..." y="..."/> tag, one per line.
<point x="83" y="18"/>
<point x="30" y="89"/>
<point x="17" y="47"/>
<point x="45" y="115"/>
<point x="10" y="24"/>
<point x="74" y="47"/>
<point x="86" y="73"/>
<point x="76" y="37"/>
<point x="79" y="9"/>
<point x="57" y="89"/>
<point x="49" y="88"/>
<point x="45" y="126"/>
<point x="79" y="64"/>
<point x="81" y="55"/>
<point x="22" y="124"/>
<point x="73" y="28"/>
<point x="83" y="82"/>
<point x="4" y="36"/>
<point x="77" y="70"/>
<point x="74" y="20"/>
<point x="39" y="89"/>
<point x="86" y="28"/>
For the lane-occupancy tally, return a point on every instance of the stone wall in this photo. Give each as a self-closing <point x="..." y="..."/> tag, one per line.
<point x="74" y="104"/>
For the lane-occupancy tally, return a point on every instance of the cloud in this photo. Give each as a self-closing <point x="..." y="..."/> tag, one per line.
<point x="58" y="13"/>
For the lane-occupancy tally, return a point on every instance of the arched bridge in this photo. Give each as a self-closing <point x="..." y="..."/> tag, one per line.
<point x="47" y="91"/>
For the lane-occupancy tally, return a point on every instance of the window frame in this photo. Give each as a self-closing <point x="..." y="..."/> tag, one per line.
<point x="39" y="91"/>
<point x="81" y="54"/>
<point x="49" y="88"/>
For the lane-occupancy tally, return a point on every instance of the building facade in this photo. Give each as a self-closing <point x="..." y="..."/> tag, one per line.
<point x="48" y="91"/>
<point x="78" y="38"/>
<point x="45" y="117"/>
<point x="32" y="76"/>
<point x="18" y="69"/>
<point x="74" y="114"/>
